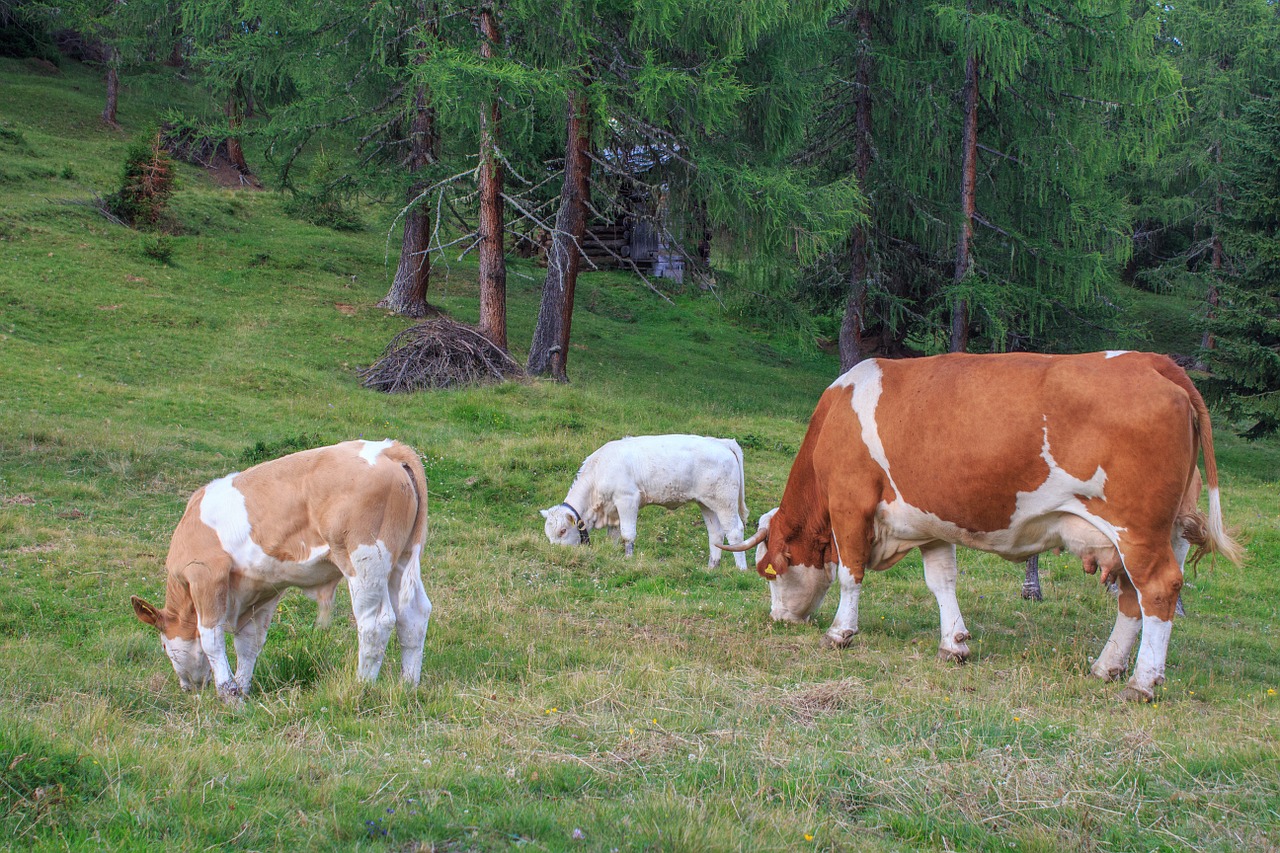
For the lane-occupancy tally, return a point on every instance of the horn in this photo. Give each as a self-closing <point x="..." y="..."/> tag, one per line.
<point x="755" y="540"/>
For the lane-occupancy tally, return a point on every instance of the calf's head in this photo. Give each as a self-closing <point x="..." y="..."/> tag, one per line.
<point x="184" y="652"/>
<point x="798" y="581"/>
<point x="564" y="526"/>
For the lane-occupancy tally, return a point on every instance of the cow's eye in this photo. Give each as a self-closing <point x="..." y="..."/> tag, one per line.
<point x="563" y="531"/>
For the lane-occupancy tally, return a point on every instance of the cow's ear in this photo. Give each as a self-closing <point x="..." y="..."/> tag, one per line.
<point x="545" y="512"/>
<point x="146" y="612"/>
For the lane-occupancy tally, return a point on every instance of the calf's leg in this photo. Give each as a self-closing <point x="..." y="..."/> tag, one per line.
<point x="413" y="612"/>
<point x="250" y="636"/>
<point x="940" y="576"/>
<point x="731" y="524"/>
<point x="714" y="535"/>
<point x="371" y="604"/>
<point x="628" y="512"/>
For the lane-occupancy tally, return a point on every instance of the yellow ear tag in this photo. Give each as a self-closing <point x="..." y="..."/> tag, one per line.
<point x="770" y="571"/>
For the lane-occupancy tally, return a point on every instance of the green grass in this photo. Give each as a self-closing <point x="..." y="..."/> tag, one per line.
<point x="649" y="704"/>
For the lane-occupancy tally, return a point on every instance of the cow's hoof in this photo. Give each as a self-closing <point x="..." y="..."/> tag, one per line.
<point x="231" y="693"/>
<point x="1107" y="673"/>
<point x="1134" y="693"/>
<point x="837" y="639"/>
<point x="960" y="654"/>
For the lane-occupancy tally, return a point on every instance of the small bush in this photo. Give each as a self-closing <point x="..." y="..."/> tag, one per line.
<point x="158" y="248"/>
<point x="147" y="184"/>
<point x="324" y="201"/>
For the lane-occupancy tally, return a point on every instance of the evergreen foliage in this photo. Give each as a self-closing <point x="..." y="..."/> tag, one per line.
<point x="147" y="183"/>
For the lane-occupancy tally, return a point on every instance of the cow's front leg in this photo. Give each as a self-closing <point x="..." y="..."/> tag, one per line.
<point x="250" y="636"/>
<point x="940" y="576"/>
<point x="1113" y="660"/>
<point x="371" y="604"/>
<point x="845" y="624"/>
<point x="213" y="641"/>
<point x="1157" y="591"/>
<point x="628" y="507"/>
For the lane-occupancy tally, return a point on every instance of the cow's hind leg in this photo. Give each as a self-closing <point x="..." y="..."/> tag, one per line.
<point x="371" y="603"/>
<point x="715" y="535"/>
<point x="413" y="611"/>
<point x="1113" y="660"/>
<point x="1157" y="578"/>
<point x="940" y="576"/>
<point x="731" y="526"/>
<point x="250" y="636"/>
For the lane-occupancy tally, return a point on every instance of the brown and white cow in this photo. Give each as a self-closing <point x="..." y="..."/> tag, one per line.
<point x="1013" y="454"/>
<point x="355" y="510"/>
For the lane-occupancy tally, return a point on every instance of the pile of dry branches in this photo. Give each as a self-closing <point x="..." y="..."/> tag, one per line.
<point x="438" y="353"/>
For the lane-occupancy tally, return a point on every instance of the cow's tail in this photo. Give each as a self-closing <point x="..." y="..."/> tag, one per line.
<point x="1216" y="538"/>
<point x="742" y="479"/>
<point x="408" y="459"/>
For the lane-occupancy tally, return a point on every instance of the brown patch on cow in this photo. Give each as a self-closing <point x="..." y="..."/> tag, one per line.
<point x="957" y="444"/>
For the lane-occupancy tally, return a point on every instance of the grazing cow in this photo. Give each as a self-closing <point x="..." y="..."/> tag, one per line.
<point x="671" y="470"/>
<point x="356" y="510"/>
<point x="1013" y="454"/>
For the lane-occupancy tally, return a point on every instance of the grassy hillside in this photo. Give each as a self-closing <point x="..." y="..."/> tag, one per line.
<point x="571" y="699"/>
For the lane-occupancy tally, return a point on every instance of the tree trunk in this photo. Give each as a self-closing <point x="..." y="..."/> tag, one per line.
<point x="234" y="152"/>
<point x="1211" y="297"/>
<point x="968" y="188"/>
<point x="549" y="352"/>
<point x="855" y="310"/>
<point x="493" y="265"/>
<point x="408" y="294"/>
<point x="113" y="88"/>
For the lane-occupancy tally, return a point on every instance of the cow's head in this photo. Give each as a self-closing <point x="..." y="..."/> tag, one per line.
<point x="185" y="653"/>
<point x="564" y="526"/>
<point x="798" y="579"/>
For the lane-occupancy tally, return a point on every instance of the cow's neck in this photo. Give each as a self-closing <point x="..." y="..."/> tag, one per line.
<point x="582" y="498"/>
<point x="180" y="609"/>
<point x="803" y="511"/>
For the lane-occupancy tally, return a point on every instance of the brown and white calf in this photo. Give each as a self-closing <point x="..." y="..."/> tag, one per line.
<point x="1014" y="454"/>
<point x="355" y="510"/>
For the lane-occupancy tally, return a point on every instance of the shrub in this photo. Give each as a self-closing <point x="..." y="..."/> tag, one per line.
<point x="147" y="184"/>
<point x="324" y="201"/>
<point x="158" y="248"/>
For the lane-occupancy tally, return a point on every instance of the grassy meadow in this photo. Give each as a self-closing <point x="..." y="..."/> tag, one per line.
<point x="571" y="698"/>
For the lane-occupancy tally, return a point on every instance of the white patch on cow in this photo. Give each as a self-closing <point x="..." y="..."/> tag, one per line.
<point x="866" y="379"/>
<point x="223" y="510"/>
<point x="188" y="661"/>
<point x="318" y="553"/>
<point x="1112" y="353"/>
<point x="370" y="450"/>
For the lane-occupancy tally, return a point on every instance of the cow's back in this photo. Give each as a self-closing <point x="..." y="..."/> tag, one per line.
<point x="330" y="497"/>
<point x="667" y="469"/>
<point x="965" y="436"/>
